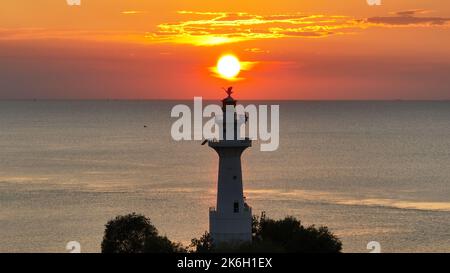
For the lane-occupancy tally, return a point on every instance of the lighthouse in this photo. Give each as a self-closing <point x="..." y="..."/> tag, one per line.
<point x="231" y="220"/>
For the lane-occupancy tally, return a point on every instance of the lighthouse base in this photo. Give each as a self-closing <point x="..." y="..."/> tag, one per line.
<point x="230" y="228"/>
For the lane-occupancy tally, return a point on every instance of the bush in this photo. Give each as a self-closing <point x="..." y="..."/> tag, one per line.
<point x="134" y="233"/>
<point x="202" y="245"/>
<point x="277" y="236"/>
<point x="291" y="236"/>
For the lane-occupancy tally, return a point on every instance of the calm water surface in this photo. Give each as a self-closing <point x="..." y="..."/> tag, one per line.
<point x="370" y="171"/>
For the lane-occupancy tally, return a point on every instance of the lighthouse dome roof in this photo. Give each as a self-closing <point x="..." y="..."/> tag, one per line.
<point x="229" y="100"/>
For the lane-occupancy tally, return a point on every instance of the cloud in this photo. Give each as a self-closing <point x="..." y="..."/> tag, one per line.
<point x="8" y="34"/>
<point x="409" y="21"/>
<point x="216" y="28"/>
<point x="212" y="28"/>
<point x="132" y="12"/>
<point x="256" y="50"/>
<point x="409" y="18"/>
<point x="411" y="12"/>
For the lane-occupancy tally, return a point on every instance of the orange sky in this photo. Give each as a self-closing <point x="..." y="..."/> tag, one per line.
<point x="322" y="49"/>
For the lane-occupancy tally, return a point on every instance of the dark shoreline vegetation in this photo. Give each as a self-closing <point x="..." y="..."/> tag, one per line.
<point x="134" y="233"/>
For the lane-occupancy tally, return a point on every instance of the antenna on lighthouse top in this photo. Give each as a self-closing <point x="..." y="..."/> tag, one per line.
<point x="229" y="90"/>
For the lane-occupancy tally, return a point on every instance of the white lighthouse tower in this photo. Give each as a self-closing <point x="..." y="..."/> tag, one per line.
<point x="231" y="220"/>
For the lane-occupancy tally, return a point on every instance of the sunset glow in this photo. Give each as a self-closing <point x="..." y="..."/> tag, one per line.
<point x="312" y="50"/>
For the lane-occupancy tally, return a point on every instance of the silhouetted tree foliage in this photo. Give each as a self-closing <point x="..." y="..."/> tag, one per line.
<point x="134" y="233"/>
<point x="287" y="235"/>
<point x="291" y="236"/>
<point x="202" y="245"/>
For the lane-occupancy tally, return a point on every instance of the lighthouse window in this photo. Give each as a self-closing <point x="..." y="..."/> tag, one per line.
<point x="236" y="207"/>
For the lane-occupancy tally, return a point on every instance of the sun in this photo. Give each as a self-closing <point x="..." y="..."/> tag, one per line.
<point x="228" y="66"/>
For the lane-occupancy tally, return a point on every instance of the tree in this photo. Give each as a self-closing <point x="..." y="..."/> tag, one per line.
<point x="161" y="244"/>
<point x="276" y="236"/>
<point x="291" y="236"/>
<point x="204" y="244"/>
<point x="134" y="233"/>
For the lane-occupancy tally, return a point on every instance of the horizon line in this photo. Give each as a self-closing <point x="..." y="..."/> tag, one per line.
<point x="281" y="100"/>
